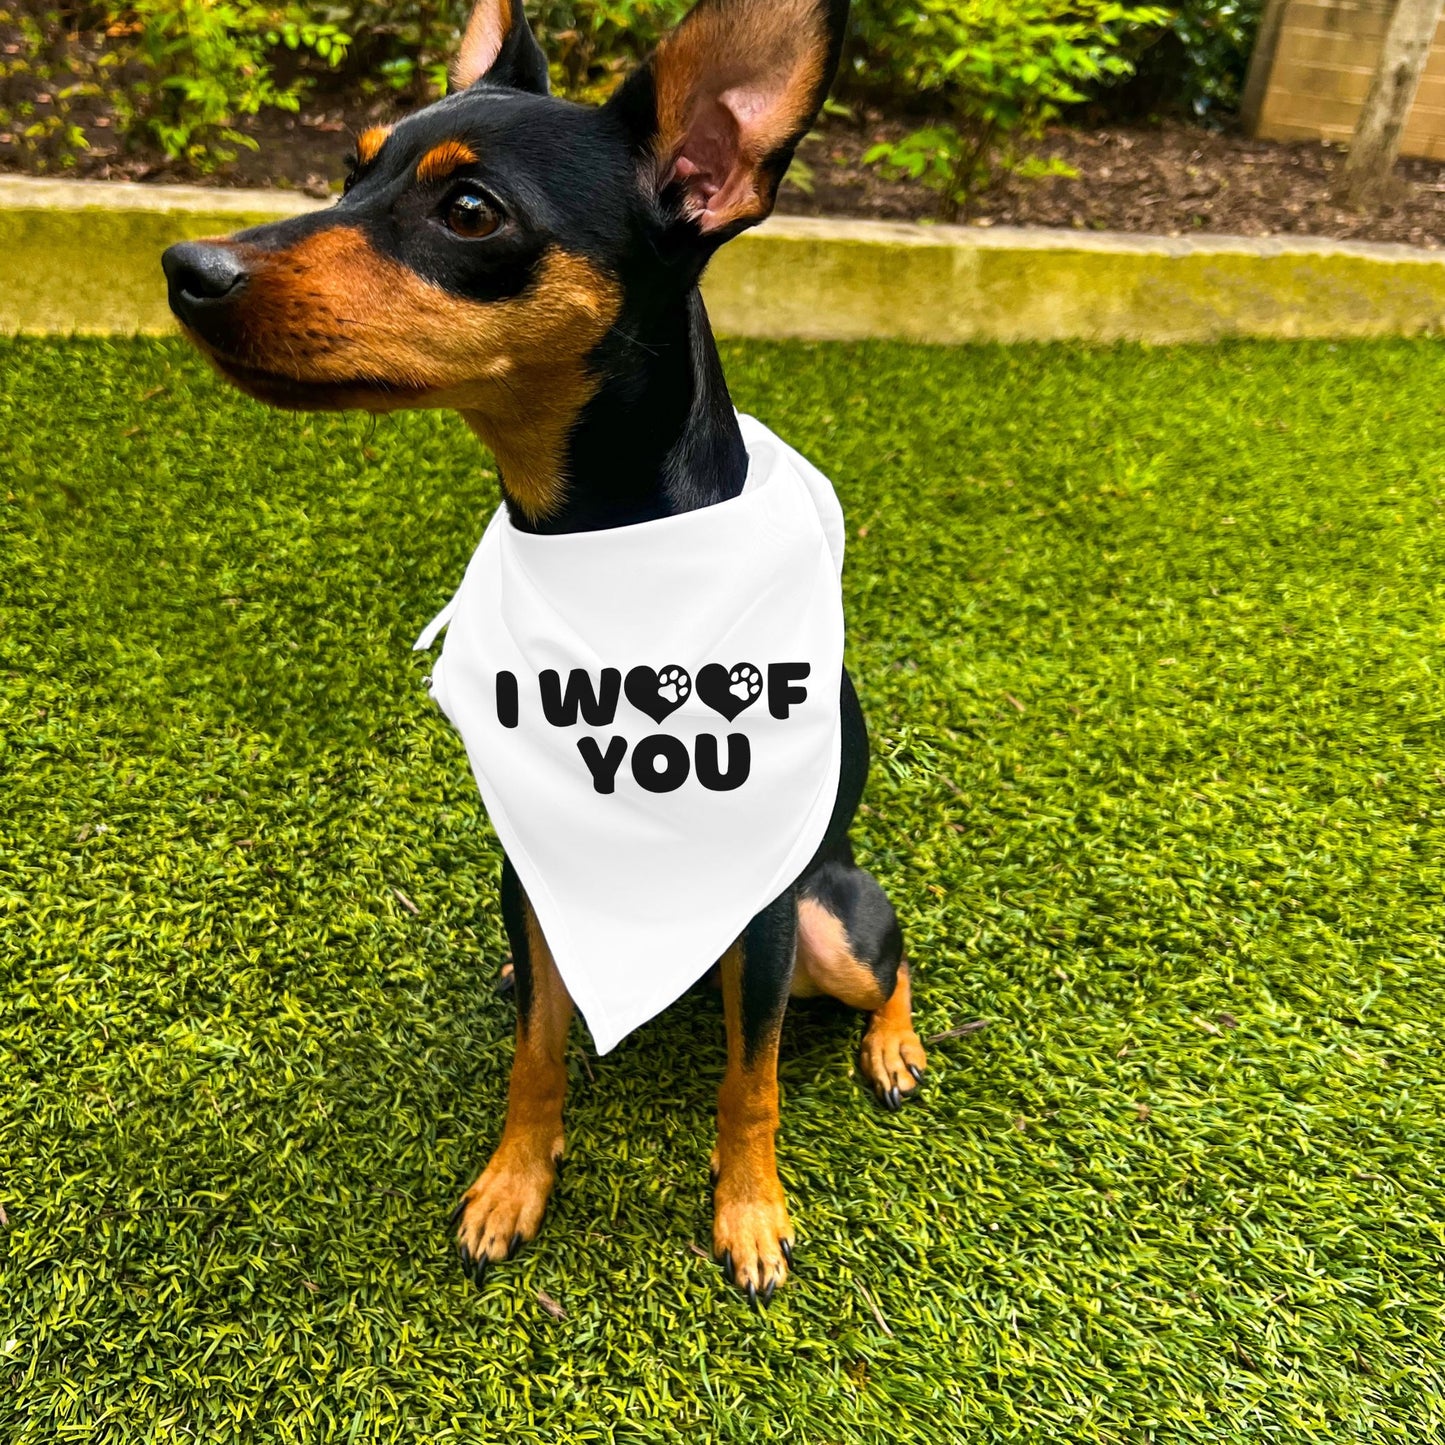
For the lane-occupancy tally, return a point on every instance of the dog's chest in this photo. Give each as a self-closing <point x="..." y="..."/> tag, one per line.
<point x="651" y="714"/>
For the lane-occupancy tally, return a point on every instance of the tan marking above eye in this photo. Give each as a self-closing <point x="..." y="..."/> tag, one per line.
<point x="441" y="160"/>
<point x="370" y="142"/>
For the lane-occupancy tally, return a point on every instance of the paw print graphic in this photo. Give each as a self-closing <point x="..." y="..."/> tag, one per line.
<point x="745" y="682"/>
<point x="674" y="685"/>
<point x="658" y="694"/>
<point x="729" y="690"/>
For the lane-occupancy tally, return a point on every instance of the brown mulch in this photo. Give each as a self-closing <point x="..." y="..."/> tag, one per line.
<point x="1172" y="179"/>
<point x="303" y="152"/>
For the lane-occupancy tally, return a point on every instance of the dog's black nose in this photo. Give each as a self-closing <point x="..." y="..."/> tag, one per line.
<point x="199" y="274"/>
<point x="202" y="270"/>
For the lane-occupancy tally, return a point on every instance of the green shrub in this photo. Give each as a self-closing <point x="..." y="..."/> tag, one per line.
<point x="998" y="71"/>
<point x="406" y="45"/>
<point x="45" y="79"/>
<point x="203" y="64"/>
<point x="182" y="74"/>
<point x="179" y="74"/>
<point x="590" y="44"/>
<point x="1212" y="40"/>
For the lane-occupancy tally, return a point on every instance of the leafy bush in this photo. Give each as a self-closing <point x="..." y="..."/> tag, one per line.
<point x="590" y="43"/>
<point x="177" y="73"/>
<point x="998" y="71"/>
<point x="45" y="81"/>
<point x="593" y="43"/>
<point x="180" y="74"/>
<point x="183" y="75"/>
<point x="205" y="63"/>
<point x="406" y="45"/>
<point x="1201" y="62"/>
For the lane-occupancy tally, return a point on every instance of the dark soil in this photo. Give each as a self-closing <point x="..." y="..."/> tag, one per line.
<point x="1170" y="179"/>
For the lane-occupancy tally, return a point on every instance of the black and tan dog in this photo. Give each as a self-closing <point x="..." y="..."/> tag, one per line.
<point x="534" y="265"/>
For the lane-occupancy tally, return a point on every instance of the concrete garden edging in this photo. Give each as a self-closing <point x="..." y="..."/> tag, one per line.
<point x="82" y="257"/>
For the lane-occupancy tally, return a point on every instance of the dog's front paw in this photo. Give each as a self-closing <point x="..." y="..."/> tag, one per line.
<point x="892" y="1060"/>
<point x="502" y="1210"/>
<point x="752" y="1237"/>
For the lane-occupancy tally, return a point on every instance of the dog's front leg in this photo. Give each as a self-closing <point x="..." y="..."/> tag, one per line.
<point x="504" y="1208"/>
<point x="751" y="1232"/>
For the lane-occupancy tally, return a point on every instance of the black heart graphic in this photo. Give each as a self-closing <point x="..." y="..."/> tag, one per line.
<point x="660" y="693"/>
<point x="729" y="690"/>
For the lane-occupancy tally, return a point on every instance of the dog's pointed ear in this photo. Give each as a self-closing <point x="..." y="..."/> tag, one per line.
<point x="718" y="110"/>
<point x="498" y="47"/>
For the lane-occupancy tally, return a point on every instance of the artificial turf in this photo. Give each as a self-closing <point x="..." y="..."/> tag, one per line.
<point x="1150" y="644"/>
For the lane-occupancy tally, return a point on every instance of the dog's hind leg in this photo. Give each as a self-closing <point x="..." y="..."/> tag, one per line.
<point x="851" y="947"/>
<point x="752" y="1235"/>
<point x="503" y="1208"/>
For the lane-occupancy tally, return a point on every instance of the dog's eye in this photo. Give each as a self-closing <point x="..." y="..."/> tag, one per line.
<point x="353" y="165"/>
<point x="471" y="214"/>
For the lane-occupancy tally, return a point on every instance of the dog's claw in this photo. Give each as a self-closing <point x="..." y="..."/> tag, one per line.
<point x="727" y="1267"/>
<point x="514" y="1246"/>
<point x="456" y="1213"/>
<point x="786" y="1245"/>
<point x="892" y="1063"/>
<point x="767" y="1294"/>
<point x="472" y="1269"/>
<point x="752" y="1295"/>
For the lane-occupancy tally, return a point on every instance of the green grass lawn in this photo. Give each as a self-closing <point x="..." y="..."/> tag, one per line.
<point x="1150" y="642"/>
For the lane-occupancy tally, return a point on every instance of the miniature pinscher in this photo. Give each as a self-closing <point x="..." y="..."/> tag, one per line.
<point x="534" y="265"/>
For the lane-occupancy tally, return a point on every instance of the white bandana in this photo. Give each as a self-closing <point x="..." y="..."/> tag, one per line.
<point x="652" y="716"/>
